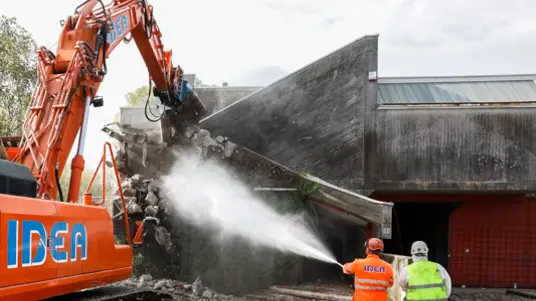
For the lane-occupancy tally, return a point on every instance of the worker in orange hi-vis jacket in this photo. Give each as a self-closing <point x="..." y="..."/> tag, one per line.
<point x="372" y="275"/>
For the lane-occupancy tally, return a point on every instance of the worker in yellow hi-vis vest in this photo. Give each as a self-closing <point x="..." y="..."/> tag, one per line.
<point x="423" y="279"/>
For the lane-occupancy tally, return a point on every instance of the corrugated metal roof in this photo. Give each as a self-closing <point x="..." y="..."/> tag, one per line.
<point x="462" y="89"/>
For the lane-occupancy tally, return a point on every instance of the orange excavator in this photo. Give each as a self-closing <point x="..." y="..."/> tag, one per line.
<point x="48" y="247"/>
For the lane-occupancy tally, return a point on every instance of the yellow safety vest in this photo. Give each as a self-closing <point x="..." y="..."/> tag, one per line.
<point x="425" y="283"/>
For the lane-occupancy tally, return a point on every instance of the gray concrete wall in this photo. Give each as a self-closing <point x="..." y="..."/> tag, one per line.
<point x="312" y="120"/>
<point x="454" y="149"/>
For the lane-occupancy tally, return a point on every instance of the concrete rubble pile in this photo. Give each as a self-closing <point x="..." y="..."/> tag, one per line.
<point x="143" y="159"/>
<point x="173" y="287"/>
<point x="172" y="248"/>
<point x="144" y="153"/>
<point x="144" y="200"/>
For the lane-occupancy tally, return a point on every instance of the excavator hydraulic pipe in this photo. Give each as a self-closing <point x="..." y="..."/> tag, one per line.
<point x="77" y="166"/>
<point x="83" y="130"/>
<point x="88" y="199"/>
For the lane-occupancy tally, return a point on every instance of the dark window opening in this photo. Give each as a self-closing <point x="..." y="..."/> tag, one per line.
<point x="428" y="222"/>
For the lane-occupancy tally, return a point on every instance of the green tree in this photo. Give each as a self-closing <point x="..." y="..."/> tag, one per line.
<point x="199" y="84"/>
<point x="138" y="98"/>
<point x="17" y="75"/>
<point x="18" y="65"/>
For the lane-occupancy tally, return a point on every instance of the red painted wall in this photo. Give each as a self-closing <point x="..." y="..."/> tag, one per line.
<point x="492" y="238"/>
<point x="493" y="243"/>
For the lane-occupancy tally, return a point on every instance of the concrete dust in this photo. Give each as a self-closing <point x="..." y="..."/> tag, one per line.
<point x="206" y="195"/>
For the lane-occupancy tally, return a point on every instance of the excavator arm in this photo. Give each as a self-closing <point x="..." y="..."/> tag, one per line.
<point x="69" y="79"/>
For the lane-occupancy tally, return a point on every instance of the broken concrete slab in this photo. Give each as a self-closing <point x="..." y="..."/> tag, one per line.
<point x="260" y="170"/>
<point x="313" y="120"/>
<point x="363" y="209"/>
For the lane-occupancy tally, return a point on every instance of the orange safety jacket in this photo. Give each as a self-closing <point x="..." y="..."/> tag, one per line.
<point x="372" y="277"/>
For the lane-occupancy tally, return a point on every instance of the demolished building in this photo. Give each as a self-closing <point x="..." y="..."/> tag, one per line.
<point x="452" y="153"/>
<point x="343" y="218"/>
<point x="340" y="216"/>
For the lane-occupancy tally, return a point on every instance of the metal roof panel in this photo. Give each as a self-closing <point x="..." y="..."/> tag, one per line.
<point x="457" y="90"/>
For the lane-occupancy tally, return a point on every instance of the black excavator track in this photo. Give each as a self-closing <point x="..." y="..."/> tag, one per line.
<point x="114" y="293"/>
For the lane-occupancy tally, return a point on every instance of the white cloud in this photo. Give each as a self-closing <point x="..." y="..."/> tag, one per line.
<point x="226" y="40"/>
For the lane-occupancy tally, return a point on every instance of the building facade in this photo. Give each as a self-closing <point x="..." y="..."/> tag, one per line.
<point x="454" y="154"/>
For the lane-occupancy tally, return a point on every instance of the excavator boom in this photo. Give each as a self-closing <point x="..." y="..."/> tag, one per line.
<point x="51" y="248"/>
<point x="68" y="82"/>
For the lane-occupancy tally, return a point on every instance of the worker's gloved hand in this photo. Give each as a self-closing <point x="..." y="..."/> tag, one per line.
<point x="346" y="270"/>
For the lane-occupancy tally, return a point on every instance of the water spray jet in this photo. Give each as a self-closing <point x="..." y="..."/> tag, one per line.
<point x="207" y="196"/>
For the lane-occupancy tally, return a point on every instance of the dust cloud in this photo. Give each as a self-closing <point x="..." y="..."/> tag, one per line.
<point x="208" y="196"/>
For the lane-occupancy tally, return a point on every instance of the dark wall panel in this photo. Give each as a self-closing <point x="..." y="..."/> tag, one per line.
<point x="312" y="120"/>
<point x="454" y="149"/>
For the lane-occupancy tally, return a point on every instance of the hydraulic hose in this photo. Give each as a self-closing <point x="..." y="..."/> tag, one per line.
<point x="60" y="192"/>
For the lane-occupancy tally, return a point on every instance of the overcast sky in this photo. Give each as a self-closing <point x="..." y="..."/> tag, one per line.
<point x="254" y="42"/>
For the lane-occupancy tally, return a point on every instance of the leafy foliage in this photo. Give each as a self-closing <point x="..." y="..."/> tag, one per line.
<point x="18" y="75"/>
<point x="306" y="187"/>
<point x="96" y="188"/>
<point x="199" y="84"/>
<point x="138" y="98"/>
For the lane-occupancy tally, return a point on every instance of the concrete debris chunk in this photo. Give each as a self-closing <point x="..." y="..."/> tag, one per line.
<point x="133" y="208"/>
<point x="129" y="192"/>
<point x="153" y="186"/>
<point x="151" y="199"/>
<point x="127" y="184"/>
<point x="163" y="237"/>
<point x="193" y="291"/>
<point x="128" y="199"/>
<point x="190" y="131"/>
<point x="145" y="278"/>
<point x="207" y="294"/>
<point x="170" y="283"/>
<point x="151" y="210"/>
<point x="228" y="148"/>
<point x="154" y="137"/>
<point x="135" y="179"/>
<point x="197" y="287"/>
<point x="203" y="139"/>
<point x="161" y="284"/>
<point x="165" y="206"/>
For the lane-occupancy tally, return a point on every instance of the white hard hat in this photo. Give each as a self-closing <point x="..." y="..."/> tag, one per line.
<point x="419" y="247"/>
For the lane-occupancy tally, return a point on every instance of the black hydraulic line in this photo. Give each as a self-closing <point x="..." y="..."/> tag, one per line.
<point x="60" y="192"/>
<point x="148" y="108"/>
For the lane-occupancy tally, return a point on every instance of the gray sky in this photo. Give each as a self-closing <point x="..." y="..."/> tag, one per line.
<point x="254" y="42"/>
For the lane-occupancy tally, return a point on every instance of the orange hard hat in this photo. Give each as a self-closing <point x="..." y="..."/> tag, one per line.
<point x="374" y="244"/>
